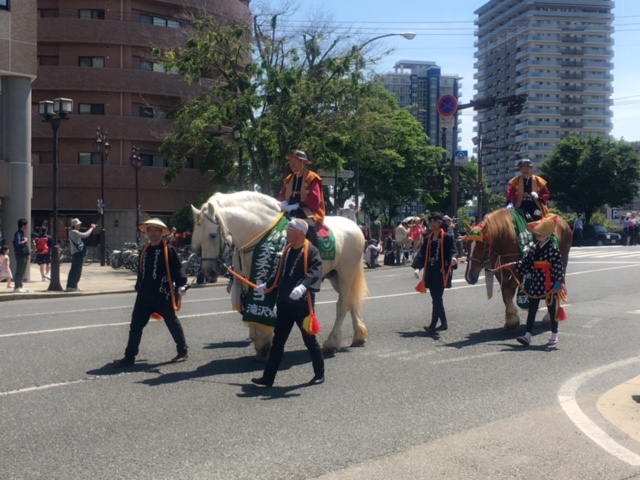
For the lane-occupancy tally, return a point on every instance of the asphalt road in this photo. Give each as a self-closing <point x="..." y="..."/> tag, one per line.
<point x="471" y="404"/>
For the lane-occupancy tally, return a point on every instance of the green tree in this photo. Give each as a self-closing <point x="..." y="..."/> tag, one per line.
<point x="305" y="94"/>
<point x="585" y="174"/>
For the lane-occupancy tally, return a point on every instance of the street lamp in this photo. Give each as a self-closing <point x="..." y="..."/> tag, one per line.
<point x="53" y="112"/>
<point x="102" y="147"/>
<point x="408" y="36"/>
<point x="136" y="163"/>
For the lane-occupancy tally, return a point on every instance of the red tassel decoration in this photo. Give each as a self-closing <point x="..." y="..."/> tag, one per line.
<point x="157" y="316"/>
<point x="311" y="324"/>
<point x="420" y="288"/>
<point x="560" y="314"/>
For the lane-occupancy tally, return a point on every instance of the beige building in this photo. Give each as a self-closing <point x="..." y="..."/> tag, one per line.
<point x="97" y="53"/>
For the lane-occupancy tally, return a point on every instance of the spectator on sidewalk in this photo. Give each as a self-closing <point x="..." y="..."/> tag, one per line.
<point x="578" y="228"/>
<point x="78" y="251"/>
<point x="22" y="254"/>
<point x="44" y="247"/>
<point x="160" y="285"/>
<point x="5" y="266"/>
<point x="372" y="253"/>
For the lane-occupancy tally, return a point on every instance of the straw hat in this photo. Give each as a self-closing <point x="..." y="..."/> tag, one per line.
<point x="155" y="222"/>
<point x="300" y="155"/>
<point x="544" y="227"/>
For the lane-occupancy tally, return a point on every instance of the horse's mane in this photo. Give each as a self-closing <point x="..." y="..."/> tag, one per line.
<point x="498" y="225"/>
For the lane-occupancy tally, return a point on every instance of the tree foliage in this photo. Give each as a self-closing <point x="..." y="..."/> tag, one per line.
<point x="585" y="174"/>
<point x="278" y="94"/>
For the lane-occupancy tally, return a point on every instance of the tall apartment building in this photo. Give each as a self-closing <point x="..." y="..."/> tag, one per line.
<point x="418" y="85"/>
<point x="559" y="53"/>
<point x="97" y="53"/>
<point x="17" y="71"/>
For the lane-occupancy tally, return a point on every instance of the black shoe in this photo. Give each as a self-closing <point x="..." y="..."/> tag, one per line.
<point x="442" y="327"/>
<point x="430" y="329"/>
<point x="124" y="362"/>
<point x="317" y="380"/>
<point x="180" y="358"/>
<point x="263" y="382"/>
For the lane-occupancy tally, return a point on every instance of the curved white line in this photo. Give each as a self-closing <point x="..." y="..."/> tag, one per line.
<point x="567" y="398"/>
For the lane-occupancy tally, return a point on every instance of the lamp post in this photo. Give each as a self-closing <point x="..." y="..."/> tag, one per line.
<point x="136" y="163"/>
<point x="54" y="112"/>
<point x="408" y="36"/>
<point x="102" y="147"/>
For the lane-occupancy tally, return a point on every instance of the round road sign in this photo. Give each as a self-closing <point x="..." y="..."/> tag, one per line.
<point x="447" y="105"/>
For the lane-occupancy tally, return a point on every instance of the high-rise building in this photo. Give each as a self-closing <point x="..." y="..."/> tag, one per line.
<point x="418" y="85"/>
<point x="557" y="52"/>
<point x="99" y="55"/>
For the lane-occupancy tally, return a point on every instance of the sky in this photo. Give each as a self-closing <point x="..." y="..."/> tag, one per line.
<point x="445" y="35"/>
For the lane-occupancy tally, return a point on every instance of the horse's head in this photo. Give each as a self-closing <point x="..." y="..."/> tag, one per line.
<point x="477" y="254"/>
<point x="210" y="239"/>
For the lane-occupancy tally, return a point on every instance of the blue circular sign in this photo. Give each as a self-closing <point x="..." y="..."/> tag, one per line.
<point x="447" y="105"/>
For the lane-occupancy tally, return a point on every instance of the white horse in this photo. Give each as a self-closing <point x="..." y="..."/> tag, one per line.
<point x="238" y="218"/>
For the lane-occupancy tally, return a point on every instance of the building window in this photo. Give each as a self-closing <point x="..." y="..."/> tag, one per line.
<point x="4" y="4"/>
<point x="89" y="158"/>
<point x="91" y="109"/>
<point x="152" y="160"/>
<point x="158" y="21"/>
<point x="93" y="62"/>
<point x="152" y="66"/>
<point x="91" y="14"/>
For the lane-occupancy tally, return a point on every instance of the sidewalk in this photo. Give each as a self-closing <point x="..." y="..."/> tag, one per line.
<point x="95" y="280"/>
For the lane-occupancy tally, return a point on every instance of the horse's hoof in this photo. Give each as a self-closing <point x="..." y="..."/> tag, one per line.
<point x="359" y="343"/>
<point x="330" y="350"/>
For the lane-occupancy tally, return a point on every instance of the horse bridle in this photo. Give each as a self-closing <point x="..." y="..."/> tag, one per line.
<point x="223" y="246"/>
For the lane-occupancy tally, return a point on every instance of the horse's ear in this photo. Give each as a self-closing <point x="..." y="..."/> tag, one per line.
<point x="195" y="211"/>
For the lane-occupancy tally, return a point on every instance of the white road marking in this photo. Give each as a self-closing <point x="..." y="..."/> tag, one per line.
<point x="567" y="399"/>
<point x="465" y="358"/>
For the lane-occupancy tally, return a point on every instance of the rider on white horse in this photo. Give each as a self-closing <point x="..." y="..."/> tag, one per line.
<point x="302" y="195"/>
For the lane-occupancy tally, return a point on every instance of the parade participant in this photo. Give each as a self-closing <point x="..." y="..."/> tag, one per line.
<point x="160" y="286"/>
<point x="544" y="262"/>
<point x="78" y="250"/>
<point x="528" y="192"/>
<point x="302" y="195"/>
<point x="298" y="277"/>
<point x="436" y="257"/>
<point x="416" y="233"/>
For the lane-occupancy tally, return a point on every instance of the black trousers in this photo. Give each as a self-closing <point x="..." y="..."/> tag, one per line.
<point x="533" y="309"/>
<point x="21" y="268"/>
<point x="142" y="310"/>
<point x="76" y="270"/>
<point x="287" y="317"/>
<point x="437" y="310"/>
<point x="577" y="237"/>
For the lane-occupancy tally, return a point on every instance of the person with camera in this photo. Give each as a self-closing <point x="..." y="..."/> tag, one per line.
<point x="78" y="250"/>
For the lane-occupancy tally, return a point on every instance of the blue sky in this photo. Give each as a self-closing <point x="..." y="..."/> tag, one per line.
<point x="444" y="34"/>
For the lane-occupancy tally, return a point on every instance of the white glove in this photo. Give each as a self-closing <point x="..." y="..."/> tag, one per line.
<point x="283" y="205"/>
<point x="298" y="292"/>
<point x="534" y="195"/>
<point x="182" y="291"/>
<point x="261" y="288"/>
<point x="510" y="205"/>
<point x="291" y="208"/>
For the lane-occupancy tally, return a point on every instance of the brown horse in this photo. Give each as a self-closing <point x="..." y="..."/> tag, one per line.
<point x="494" y="244"/>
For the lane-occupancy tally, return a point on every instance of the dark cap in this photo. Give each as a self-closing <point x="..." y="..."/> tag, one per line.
<point x="524" y="161"/>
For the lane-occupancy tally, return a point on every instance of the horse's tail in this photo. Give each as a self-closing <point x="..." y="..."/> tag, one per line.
<point x="359" y="289"/>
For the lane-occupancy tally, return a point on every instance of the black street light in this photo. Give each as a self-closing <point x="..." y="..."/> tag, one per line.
<point x="357" y="49"/>
<point x="53" y="112"/>
<point x="136" y="163"/>
<point x="102" y="147"/>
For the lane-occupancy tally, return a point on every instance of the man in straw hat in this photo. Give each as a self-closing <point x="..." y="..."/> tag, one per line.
<point x="78" y="250"/>
<point x="160" y="286"/>
<point x="544" y="262"/>
<point x="301" y="194"/>
<point x="298" y="277"/>
<point x="528" y="192"/>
